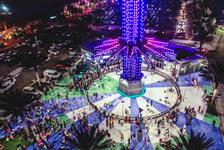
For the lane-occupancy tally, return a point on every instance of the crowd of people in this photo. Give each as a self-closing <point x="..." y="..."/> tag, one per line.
<point x="91" y="75"/>
<point x="42" y="121"/>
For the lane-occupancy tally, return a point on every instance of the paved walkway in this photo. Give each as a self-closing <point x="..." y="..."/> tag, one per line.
<point x="146" y="135"/>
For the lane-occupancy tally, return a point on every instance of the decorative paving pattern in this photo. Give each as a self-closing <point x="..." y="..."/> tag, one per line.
<point x="151" y="104"/>
<point x="157" y="99"/>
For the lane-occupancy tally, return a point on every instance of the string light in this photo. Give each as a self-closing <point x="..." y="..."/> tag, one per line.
<point x="131" y="45"/>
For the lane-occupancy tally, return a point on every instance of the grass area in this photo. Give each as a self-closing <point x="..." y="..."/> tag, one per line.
<point x="65" y="81"/>
<point x="52" y="94"/>
<point x="209" y="119"/>
<point x="110" y="85"/>
<point x="59" y="89"/>
<point x="208" y="88"/>
<point x="63" y="119"/>
<point x="219" y="31"/>
<point x="158" y="147"/>
<point x="12" y="144"/>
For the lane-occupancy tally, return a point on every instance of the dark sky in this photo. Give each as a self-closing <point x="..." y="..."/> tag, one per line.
<point x="30" y="9"/>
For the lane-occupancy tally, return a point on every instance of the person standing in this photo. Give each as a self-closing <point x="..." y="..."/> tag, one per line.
<point x="122" y="137"/>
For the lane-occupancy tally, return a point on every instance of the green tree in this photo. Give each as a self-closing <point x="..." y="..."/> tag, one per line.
<point x="214" y="72"/>
<point x="204" y="20"/>
<point x="88" y="138"/>
<point x="194" y="141"/>
<point x="14" y="103"/>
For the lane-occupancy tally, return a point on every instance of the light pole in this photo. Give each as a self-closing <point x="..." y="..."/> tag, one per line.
<point x="36" y="42"/>
<point x="122" y="108"/>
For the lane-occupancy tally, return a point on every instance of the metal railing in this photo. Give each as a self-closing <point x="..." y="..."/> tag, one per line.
<point x="169" y="78"/>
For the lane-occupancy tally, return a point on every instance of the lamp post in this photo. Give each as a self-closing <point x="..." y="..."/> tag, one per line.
<point x="122" y="108"/>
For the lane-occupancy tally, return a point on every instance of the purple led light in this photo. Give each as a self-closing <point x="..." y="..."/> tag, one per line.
<point x="132" y="20"/>
<point x="114" y="47"/>
<point x="106" y="45"/>
<point x="161" y="47"/>
<point x="133" y="14"/>
<point x="119" y="51"/>
<point x="156" y="42"/>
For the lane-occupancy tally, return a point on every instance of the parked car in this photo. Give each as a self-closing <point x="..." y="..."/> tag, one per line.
<point x="31" y="90"/>
<point x="53" y="51"/>
<point x="2" y="56"/>
<point x="6" y="84"/>
<point x="51" y="74"/>
<point x="15" y="73"/>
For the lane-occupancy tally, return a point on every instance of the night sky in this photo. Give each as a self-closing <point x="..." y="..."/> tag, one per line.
<point x="24" y="10"/>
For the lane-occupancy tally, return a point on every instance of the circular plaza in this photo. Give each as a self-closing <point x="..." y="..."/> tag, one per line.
<point x="145" y="106"/>
<point x="112" y="75"/>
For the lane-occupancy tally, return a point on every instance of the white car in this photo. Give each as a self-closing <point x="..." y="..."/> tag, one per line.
<point x="34" y="45"/>
<point x="51" y="74"/>
<point x="7" y="84"/>
<point x="53" y="51"/>
<point x="2" y="54"/>
<point x="31" y="90"/>
<point x="15" y="73"/>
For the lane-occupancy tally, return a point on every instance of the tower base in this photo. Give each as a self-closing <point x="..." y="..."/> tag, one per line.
<point x="131" y="88"/>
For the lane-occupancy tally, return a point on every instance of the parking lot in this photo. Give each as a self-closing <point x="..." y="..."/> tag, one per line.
<point x="47" y="49"/>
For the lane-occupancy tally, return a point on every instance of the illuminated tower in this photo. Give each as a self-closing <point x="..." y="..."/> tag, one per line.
<point x="132" y="46"/>
<point x="133" y="14"/>
<point x="132" y="36"/>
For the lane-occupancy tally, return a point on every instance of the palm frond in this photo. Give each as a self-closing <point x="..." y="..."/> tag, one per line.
<point x="87" y="138"/>
<point x="193" y="141"/>
<point x="15" y="103"/>
<point x="214" y="72"/>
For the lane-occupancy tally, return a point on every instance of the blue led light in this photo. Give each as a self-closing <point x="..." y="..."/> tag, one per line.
<point x="132" y="44"/>
<point x="133" y="12"/>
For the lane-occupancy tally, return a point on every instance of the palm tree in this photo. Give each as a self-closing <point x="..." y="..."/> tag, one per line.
<point x="214" y="72"/>
<point x="204" y="20"/>
<point x="88" y="138"/>
<point x="124" y="147"/>
<point x="193" y="141"/>
<point x="14" y="104"/>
